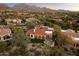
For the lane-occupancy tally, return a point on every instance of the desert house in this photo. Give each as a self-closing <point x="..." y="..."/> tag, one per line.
<point x="72" y="34"/>
<point x="40" y="32"/>
<point x="5" y="33"/>
<point x="13" y="21"/>
<point x="31" y="19"/>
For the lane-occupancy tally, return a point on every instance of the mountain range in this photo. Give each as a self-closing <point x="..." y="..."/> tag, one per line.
<point x="28" y="7"/>
<point x="25" y="7"/>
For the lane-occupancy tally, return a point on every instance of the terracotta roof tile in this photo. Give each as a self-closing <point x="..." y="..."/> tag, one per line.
<point x="5" y="31"/>
<point x="38" y="31"/>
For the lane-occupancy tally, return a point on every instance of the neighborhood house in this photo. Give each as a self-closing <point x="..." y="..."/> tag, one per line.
<point x="5" y="33"/>
<point x="71" y="34"/>
<point x="40" y="32"/>
<point x="13" y="21"/>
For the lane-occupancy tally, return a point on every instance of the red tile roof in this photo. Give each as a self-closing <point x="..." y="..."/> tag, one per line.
<point x="38" y="31"/>
<point x="4" y="31"/>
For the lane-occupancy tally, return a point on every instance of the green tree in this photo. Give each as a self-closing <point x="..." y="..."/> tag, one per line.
<point x="76" y="27"/>
<point x="57" y="31"/>
<point x="3" y="22"/>
<point x="19" y="37"/>
<point x="3" y="46"/>
<point x="56" y="35"/>
<point x="59" y="37"/>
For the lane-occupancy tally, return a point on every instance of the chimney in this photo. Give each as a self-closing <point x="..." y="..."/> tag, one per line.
<point x="34" y="29"/>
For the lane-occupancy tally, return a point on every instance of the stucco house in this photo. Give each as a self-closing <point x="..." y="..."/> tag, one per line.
<point x="72" y="34"/>
<point x="13" y="21"/>
<point x="5" y="33"/>
<point x="40" y="32"/>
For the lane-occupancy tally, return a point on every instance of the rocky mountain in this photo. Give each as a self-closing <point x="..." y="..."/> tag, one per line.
<point x="26" y="7"/>
<point x="30" y="8"/>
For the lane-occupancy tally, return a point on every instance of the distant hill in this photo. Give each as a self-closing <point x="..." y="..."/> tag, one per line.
<point x="26" y="7"/>
<point x="3" y="6"/>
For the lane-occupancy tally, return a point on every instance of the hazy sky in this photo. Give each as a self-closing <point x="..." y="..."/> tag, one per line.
<point x="65" y="6"/>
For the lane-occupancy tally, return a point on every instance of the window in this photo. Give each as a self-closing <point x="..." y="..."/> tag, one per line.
<point x="31" y="35"/>
<point x="6" y="37"/>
